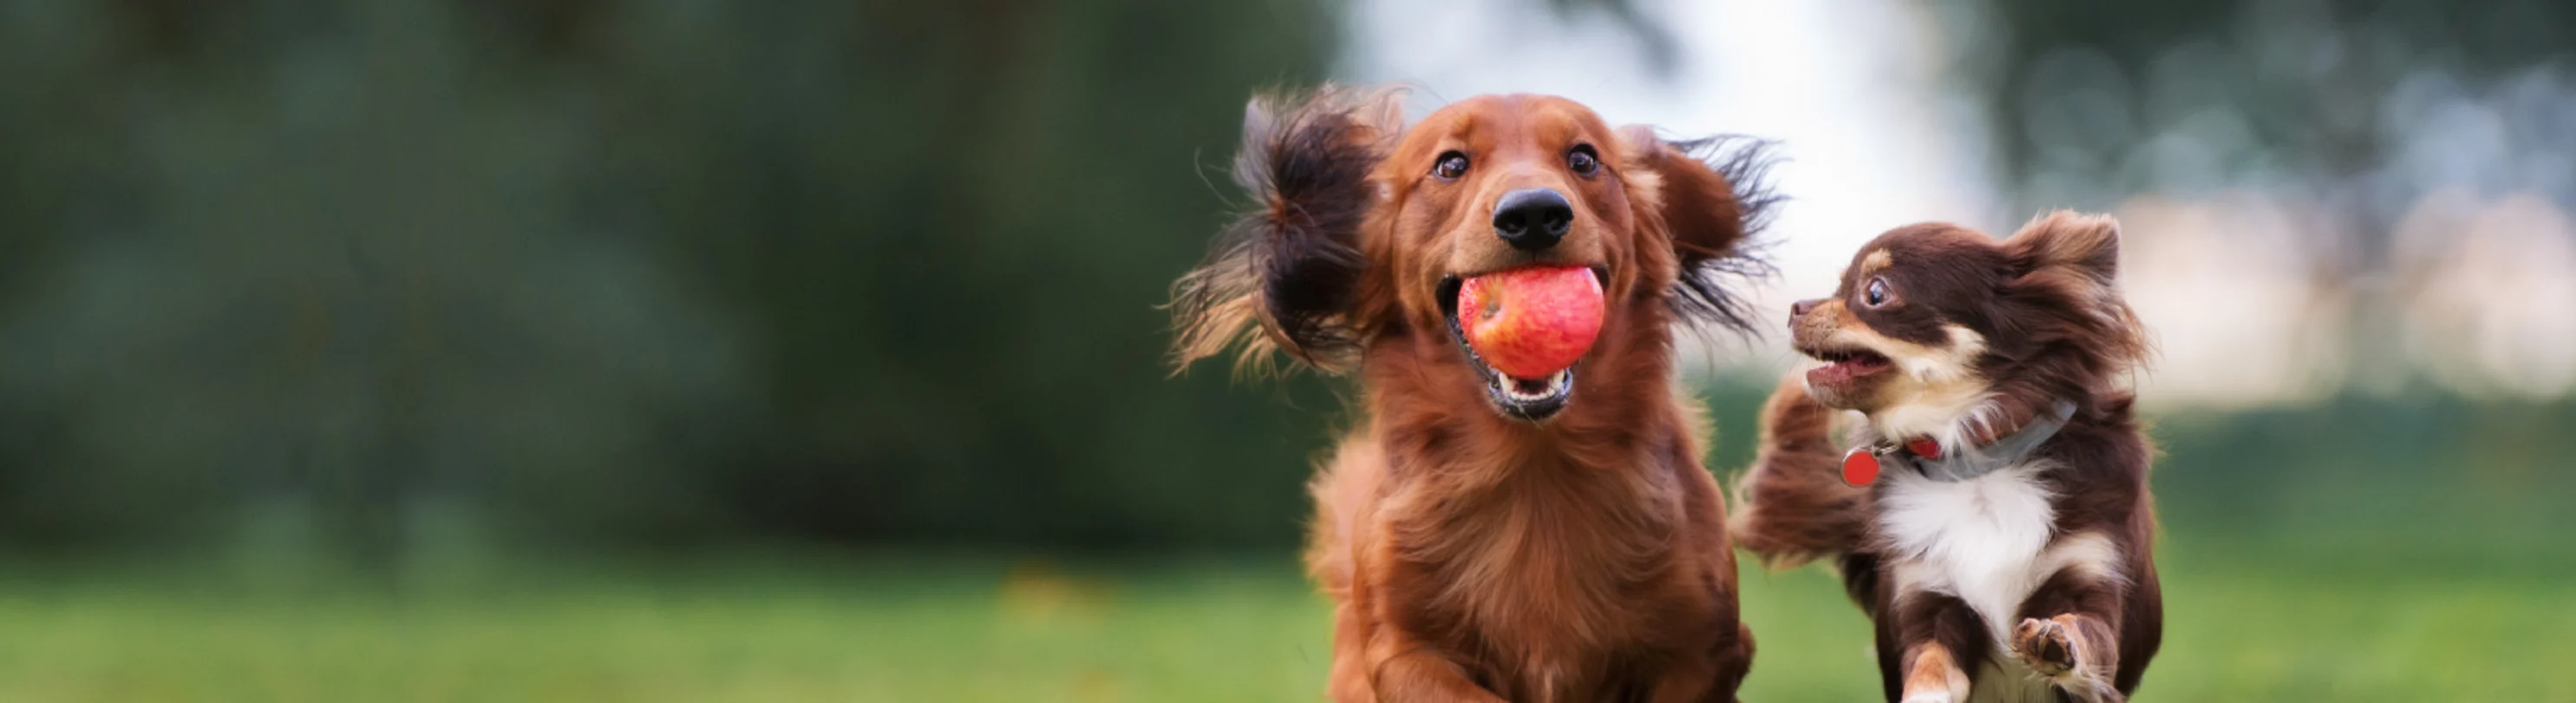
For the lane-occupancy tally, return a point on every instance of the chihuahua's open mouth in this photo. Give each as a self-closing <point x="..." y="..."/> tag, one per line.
<point x="1845" y="366"/>
<point x="1525" y="398"/>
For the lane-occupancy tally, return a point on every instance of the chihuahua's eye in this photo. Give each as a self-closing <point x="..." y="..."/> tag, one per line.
<point x="1583" y="160"/>
<point x="1877" y="293"/>
<point x="1450" y="166"/>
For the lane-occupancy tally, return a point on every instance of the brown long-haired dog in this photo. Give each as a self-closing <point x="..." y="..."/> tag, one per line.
<point x="2001" y="531"/>
<point x="1487" y="538"/>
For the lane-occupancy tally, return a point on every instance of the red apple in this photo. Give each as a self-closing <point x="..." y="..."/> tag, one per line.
<point x="1530" y="323"/>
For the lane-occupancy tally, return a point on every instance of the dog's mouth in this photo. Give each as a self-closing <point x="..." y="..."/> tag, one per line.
<point x="1532" y="399"/>
<point x="1845" y="366"/>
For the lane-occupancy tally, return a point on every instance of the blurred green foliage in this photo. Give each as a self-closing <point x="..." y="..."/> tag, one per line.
<point x="2361" y="104"/>
<point x="645" y="271"/>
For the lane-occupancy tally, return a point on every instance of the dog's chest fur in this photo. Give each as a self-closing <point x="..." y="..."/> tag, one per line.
<point x="1984" y="540"/>
<point x="1546" y="564"/>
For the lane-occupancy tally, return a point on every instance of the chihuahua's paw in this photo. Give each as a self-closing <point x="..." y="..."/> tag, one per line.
<point x="2045" y="645"/>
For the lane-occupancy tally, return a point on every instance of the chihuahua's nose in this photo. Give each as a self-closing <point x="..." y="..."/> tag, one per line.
<point x="1799" y="309"/>
<point x="1532" y="219"/>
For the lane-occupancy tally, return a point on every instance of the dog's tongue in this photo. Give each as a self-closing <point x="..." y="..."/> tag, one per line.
<point x="1531" y="322"/>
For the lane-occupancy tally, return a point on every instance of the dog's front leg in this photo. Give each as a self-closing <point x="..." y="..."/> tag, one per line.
<point x="2067" y="634"/>
<point x="1416" y="674"/>
<point x="1942" y="640"/>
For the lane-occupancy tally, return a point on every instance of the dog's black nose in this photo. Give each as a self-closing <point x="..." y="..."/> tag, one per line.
<point x="1532" y="219"/>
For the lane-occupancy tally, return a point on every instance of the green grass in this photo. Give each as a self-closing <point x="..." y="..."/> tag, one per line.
<point x="2246" y="624"/>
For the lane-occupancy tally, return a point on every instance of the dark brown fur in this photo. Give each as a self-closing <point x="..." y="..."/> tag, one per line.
<point x="2053" y="326"/>
<point x="1472" y="556"/>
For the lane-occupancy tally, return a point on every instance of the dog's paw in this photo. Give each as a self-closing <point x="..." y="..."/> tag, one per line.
<point x="2045" y="645"/>
<point x="1930" y="697"/>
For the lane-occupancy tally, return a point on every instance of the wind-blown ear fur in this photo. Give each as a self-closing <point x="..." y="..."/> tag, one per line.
<point x="1284" y="276"/>
<point x="1714" y="197"/>
<point x="2069" y="263"/>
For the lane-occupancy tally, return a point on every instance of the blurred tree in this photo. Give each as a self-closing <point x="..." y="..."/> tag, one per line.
<point x="644" y="270"/>
<point x="2352" y="110"/>
<point x="947" y="226"/>
<point x="329" y="263"/>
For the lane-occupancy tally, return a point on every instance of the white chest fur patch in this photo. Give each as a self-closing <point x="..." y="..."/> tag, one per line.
<point x="1979" y="540"/>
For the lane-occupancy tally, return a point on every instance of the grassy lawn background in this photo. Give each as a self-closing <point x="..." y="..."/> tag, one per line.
<point x="2247" y="623"/>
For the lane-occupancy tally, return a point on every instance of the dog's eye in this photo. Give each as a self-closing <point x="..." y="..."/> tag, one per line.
<point x="1877" y="293"/>
<point x="1451" y="165"/>
<point x="1583" y="160"/>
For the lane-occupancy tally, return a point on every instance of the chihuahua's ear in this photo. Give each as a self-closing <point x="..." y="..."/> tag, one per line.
<point x="1284" y="276"/>
<point x="2066" y="260"/>
<point x="1713" y="197"/>
<point x="2066" y="242"/>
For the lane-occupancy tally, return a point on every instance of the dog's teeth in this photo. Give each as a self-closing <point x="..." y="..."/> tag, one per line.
<point x="1555" y="385"/>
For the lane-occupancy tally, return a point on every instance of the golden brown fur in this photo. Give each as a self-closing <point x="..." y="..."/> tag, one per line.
<point x="1473" y="555"/>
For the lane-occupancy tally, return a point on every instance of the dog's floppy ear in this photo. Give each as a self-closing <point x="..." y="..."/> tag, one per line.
<point x="1284" y="276"/>
<point x="2071" y="261"/>
<point x="1713" y="197"/>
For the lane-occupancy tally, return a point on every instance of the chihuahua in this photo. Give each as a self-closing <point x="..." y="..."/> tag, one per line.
<point x="1988" y="506"/>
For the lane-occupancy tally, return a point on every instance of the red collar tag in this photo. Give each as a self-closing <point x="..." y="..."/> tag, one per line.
<point x="1860" y="467"/>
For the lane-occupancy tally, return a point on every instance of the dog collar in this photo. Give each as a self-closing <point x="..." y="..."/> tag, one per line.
<point x="1862" y="464"/>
